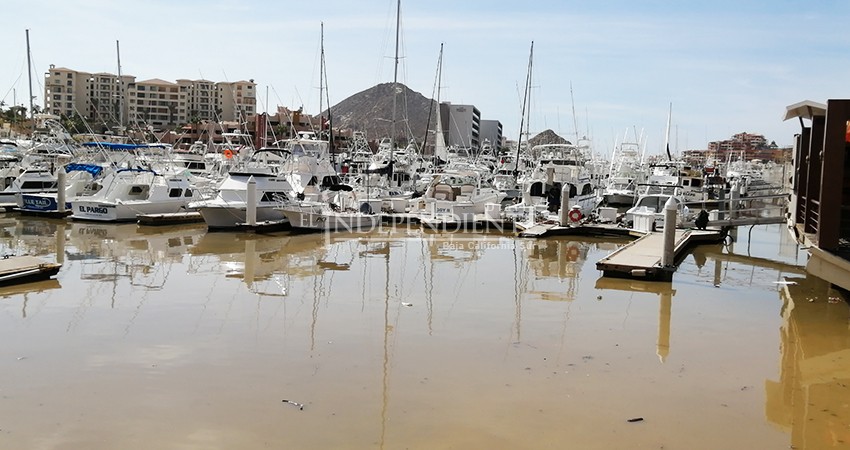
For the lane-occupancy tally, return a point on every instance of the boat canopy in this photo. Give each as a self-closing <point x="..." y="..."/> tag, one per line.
<point x="119" y="146"/>
<point x="93" y="169"/>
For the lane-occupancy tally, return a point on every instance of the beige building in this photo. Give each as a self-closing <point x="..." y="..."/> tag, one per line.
<point x="237" y="100"/>
<point x="151" y="103"/>
<point x="66" y="92"/>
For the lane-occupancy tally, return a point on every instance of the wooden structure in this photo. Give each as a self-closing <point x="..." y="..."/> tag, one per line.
<point x="23" y="269"/>
<point x="170" y="218"/>
<point x="820" y="199"/>
<point x="641" y="259"/>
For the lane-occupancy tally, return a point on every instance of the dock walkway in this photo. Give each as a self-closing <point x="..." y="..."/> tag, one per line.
<point x="641" y="258"/>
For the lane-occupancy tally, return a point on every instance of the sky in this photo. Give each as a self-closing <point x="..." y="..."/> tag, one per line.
<point x="610" y="70"/>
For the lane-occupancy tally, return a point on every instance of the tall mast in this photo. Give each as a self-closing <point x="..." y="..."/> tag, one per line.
<point x="395" y="88"/>
<point x="323" y="81"/>
<point x="321" y="71"/>
<point x="395" y="70"/>
<point x="525" y="98"/>
<point x="29" y="74"/>
<point x="120" y="89"/>
<point x="439" y="139"/>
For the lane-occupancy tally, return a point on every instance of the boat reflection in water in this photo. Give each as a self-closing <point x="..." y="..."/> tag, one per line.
<point x="558" y="261"/>
<point x="811" y="397"/>
<point x="383" y="335"/>
<point x="143" y="255"/>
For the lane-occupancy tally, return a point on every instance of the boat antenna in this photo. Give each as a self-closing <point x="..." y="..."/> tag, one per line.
<point x="667" y="139"/>
<point x="575" y="120"/>
<point x="120" y="90"/>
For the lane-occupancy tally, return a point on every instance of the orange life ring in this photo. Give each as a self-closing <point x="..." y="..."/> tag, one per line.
<point x="574" y="215"/>
<point x="228" y="153"/>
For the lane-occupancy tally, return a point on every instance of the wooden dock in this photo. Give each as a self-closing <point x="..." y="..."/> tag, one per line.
<point x="170" y="218"/>
<point x="23" y="269"/>
<point x="641" y="259"/>
<point x="54" y="214"/>
<point x="542" y="230"/>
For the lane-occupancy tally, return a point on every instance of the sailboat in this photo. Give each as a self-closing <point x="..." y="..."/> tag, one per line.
<point x="441" y="152"/>
<point x="338" y="208"/>
<point x="556" y="166"/>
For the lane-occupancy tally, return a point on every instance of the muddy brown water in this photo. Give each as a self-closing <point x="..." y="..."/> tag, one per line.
<point x="175" y="338"/>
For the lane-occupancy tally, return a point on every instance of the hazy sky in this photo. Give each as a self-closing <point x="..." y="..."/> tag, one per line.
<point x="726" y="66"/>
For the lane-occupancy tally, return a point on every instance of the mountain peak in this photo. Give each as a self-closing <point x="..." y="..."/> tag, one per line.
<point x="371" y="111"/>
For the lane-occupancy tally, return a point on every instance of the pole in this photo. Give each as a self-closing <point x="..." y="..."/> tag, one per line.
<point x="251" y="202"/>
<point x="670" y="211"/>
<point x="565" y="205"/>
<point x="60" y="193"/>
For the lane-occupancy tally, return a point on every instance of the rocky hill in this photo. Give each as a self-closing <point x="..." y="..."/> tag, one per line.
<point x="372" y="110"/>
<point x="547" y="137"/>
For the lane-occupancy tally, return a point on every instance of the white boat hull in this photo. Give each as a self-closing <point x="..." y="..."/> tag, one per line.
<point x="306" y="218"/>
<point x="125" y="211"/>
<point x="233" y="216"/>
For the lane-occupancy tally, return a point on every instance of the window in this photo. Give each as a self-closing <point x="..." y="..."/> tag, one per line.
<point x="139" y="191"/>
<point x="175" y="192"/>
<point x="39" y="185"/>
<point x="188" y="193"/>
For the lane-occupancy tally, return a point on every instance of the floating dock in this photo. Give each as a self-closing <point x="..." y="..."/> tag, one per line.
<point x="542" y="230"/>
<point x="23" y="269"/>
<point x="641" y="259"/>
<point x="169" y="218"/>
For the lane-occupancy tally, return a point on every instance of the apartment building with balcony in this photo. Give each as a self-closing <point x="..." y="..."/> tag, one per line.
<point x="237" y="100"/>
<point x="156" y="103"/>
<point x="105" y="101"/>
<point x="200" y="99"/>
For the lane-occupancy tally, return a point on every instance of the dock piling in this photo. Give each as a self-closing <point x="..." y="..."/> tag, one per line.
<point x="564" y="213"/>
<point x="251" y="203"/>
<point x="667" y="255"/>
<point x="60" y="193"/>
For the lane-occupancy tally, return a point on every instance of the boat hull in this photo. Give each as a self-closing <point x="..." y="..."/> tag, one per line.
<point x="308" y="219"/>
<point x="232" y="217"/>
<point x="127" y="211"/>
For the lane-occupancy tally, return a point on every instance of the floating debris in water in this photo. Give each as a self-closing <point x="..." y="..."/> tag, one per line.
<point x="785" y="282"/>
<point x="299" y="405"/>
<point x="636" y="419"/>
<point x="406" y="304"/>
